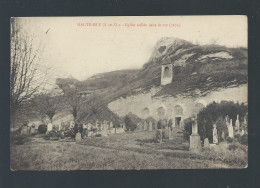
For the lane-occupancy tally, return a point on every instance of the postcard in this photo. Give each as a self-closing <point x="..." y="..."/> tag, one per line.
<point x="128" y="93"/>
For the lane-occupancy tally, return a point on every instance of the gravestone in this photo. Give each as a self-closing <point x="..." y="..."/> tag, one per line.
<point x="78" y="137"/>
<point x="223" y="135"/>
<point x="150" y="126"/>
<point x="215" y="134"/>
<point x="72" y="124"/>
<point x="245" y="124"/>
<point x="155" y="126"/>
<point x="158" y="135"/>
<point x="195" y="144"/>
<point x="230" y="130"/>
<point x="89" y="127"/>
<point x="97" y="124"/>
<point x="32" y="130"/>
<point x="25" y="130"/>
<point x="49" y="127"/>
<point x="106" y="129"/>
<point x="108" y="125"/>
<point x="170" y="135"/>
<point x="145" y="125"/>
<point x="111" y="125"/>
<point x="206" y="143"/>
<point x="237" y="124"/>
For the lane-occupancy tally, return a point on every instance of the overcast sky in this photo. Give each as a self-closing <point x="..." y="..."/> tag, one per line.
<point x="82" y="51"/>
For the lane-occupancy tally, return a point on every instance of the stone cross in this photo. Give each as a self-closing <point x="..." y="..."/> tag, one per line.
<point x="195" y="126"/>
<point x="215" y="134"/>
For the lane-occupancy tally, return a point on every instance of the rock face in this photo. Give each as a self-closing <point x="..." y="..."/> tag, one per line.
<point x="145" y="105"/>
<point x="179" y="79"/>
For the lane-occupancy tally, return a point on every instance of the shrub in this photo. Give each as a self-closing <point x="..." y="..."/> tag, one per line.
<point x="143" y="141"/>
<point x="159" y="124"/>
<point x="78" y="128"/>
<point x="229" y="140"/>
<point x="19" y="139"/>
<point x="98" y="135"/>
<point x="69" y="133"/>
<point x="53" y="135"/>
<point x="129" y="124"/>
<point x="232" y="147"/>
<point x="187" y="128"/>
<point x="237" y="137"/>
<point x="165" y="133"/>
<point x="242" y="139"/>
<point x="42" y="129"/>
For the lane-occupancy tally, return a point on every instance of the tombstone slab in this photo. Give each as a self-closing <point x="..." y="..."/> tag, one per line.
<point x="230" y="130"/>
<point x="215" y="134"/>
<point x="159" y="135"/>
<point x="195" y="144"/>
<point x="150" y="126"/>
<point x="170" y="135"/>
<point x="206" y="143"/>
<point x="78" y="137"/>
<point x="49" y="127"/>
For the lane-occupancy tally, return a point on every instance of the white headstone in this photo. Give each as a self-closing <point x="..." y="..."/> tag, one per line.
<point x="78" y="137"/>
<point x="237" y="124"/>
<point x="206" y="143"/>
<point x="230" y="130"/>
<point x="49" y="127"/>
<point x="215" y="134"/>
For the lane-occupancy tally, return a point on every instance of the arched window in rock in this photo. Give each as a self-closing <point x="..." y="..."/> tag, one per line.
<point x="161" y="112"/>
<point x="178" y="110"/>
<point x="146" y="112"/>
<point x="198" y="107"/>
<point x="167" y="72"/>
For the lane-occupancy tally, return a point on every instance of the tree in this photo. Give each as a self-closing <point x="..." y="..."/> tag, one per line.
<point x="48" y="104"/>
<point x="25" y="78"/>
<point x="75" y="100"/>
<point x="215" y="113"/>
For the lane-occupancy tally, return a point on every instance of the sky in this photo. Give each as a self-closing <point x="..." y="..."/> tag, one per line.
<point x="84" y="46"/>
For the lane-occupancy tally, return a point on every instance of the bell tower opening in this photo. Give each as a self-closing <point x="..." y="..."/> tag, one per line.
<point x="166" y="74"/>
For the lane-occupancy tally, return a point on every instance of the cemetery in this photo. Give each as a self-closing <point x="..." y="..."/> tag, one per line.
<point x="225" y="146"/>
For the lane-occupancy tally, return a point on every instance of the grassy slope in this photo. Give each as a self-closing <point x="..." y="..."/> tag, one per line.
<point x="121" y="151"/>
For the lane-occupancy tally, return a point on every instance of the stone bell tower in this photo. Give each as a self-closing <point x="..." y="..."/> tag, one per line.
<point x="166" y="73"/>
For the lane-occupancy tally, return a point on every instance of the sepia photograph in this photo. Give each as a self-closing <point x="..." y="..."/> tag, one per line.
<point x="128" y="93"/>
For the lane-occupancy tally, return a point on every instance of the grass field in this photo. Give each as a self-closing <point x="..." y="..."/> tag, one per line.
<point x="121" y="151"/>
